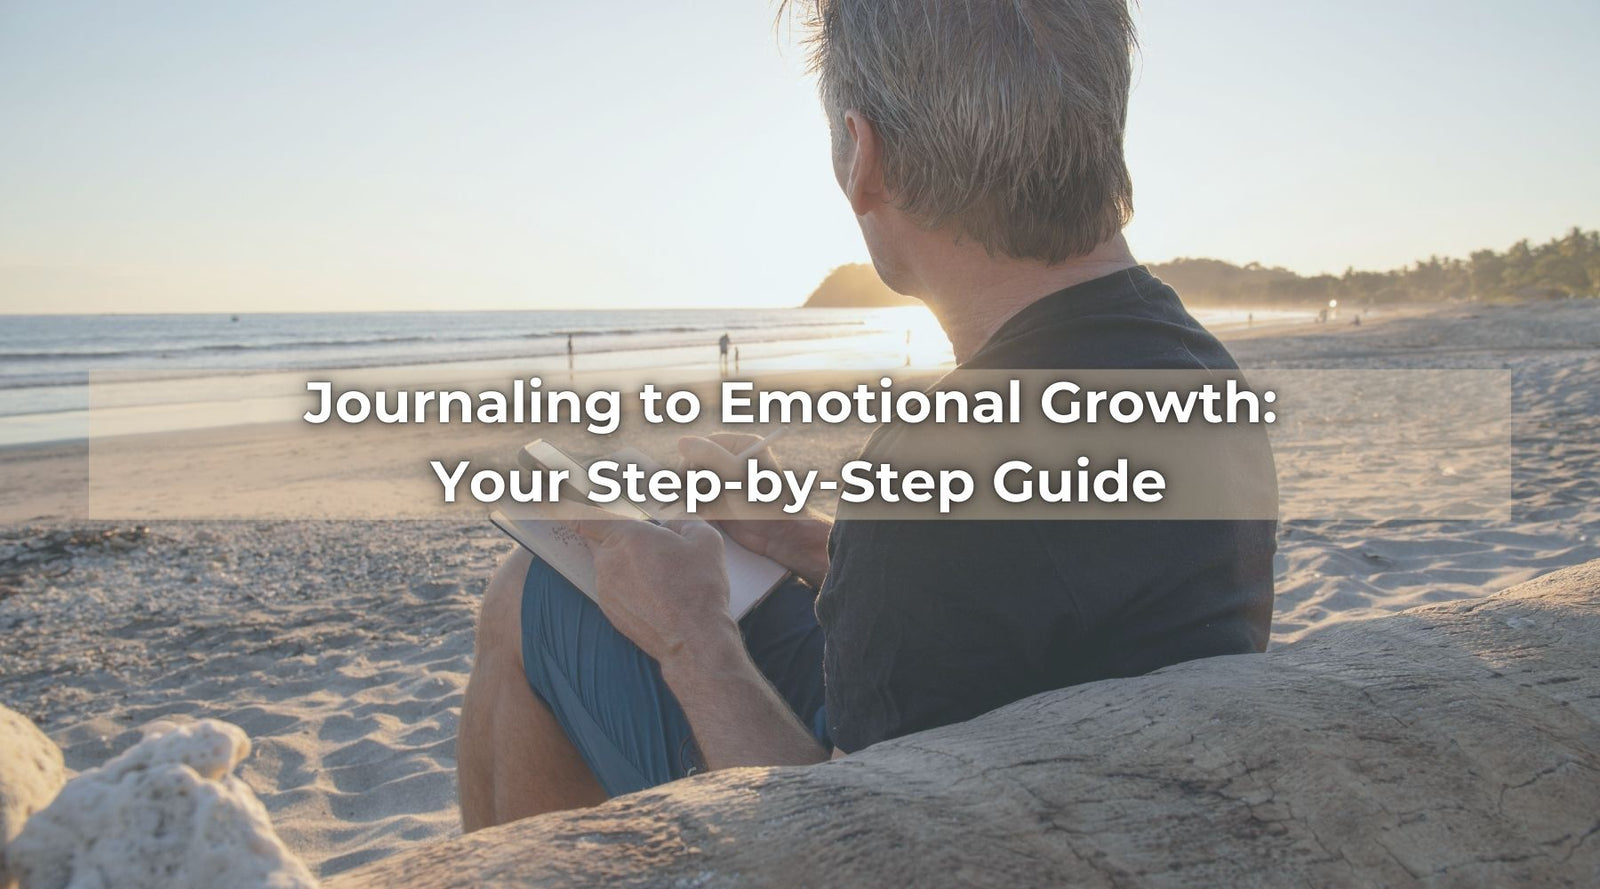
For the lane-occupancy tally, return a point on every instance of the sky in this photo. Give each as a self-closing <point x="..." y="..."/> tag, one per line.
<point x="188" y="155"/>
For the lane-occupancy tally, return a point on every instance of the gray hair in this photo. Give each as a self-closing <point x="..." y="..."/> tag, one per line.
<point x="1001" y="118"/>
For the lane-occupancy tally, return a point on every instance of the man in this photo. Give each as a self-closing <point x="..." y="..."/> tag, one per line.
<point x="980" y="147"/>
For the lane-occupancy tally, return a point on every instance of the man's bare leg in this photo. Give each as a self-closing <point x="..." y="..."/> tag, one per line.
<point x="513" y="759"/>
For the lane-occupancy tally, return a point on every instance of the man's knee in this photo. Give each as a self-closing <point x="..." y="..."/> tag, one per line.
<point x="500" y="617"/>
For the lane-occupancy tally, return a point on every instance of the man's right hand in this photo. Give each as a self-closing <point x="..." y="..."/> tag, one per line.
<point x="797" y="542"/>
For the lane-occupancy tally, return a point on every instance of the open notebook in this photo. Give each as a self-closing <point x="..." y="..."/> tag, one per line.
<point x="750" y="576"/>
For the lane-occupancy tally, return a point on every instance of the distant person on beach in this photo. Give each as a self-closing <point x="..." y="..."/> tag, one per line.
<point x="980" y="147"/>
<point x="570" y="358"/>
<point x="722" y="353"/>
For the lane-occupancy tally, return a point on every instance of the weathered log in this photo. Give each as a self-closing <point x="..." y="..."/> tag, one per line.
<point x="1455" y="744"/>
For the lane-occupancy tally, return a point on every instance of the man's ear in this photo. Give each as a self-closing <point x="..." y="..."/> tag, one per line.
<point x="862" y="176"/>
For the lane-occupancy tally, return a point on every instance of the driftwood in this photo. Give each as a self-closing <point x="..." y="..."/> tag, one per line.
<point x="1456" y="744"/>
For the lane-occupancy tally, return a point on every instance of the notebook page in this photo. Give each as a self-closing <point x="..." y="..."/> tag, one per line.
<point x="534" y="525"/>
<point x="750" y="576"/>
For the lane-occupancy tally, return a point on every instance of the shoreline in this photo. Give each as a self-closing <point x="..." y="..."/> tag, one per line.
<point x="113" y="395"/>
<point x="281" y="468"/>
<point x="153" y="367"/>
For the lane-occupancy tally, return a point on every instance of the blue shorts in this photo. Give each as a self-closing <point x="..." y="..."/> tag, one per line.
<point x="610" y="698"/>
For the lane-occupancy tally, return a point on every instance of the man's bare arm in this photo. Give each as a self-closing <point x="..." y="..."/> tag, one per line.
<point x="665" y="588"/>
<point x="737" y="717"/>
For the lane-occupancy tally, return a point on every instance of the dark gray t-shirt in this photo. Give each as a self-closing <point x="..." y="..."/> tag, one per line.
<point x="933" y="622"/>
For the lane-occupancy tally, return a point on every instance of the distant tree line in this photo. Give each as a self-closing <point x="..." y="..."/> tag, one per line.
<point x="1563" y="267"/>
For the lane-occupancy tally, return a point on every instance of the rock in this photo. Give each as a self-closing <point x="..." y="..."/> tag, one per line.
<point x="855" y="285"/>
<point x="1456" y="744"/>
<point x="166" y="813"/>
<point x="31" y="772"/>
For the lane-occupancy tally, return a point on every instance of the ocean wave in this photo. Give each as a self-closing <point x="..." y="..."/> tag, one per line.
<point x="167" y="351"/>
<point x="207" y="348"/>
<point x="72" y="379"/>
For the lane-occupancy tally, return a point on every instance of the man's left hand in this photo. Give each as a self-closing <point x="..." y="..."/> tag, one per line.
<point x="663" y="586"/>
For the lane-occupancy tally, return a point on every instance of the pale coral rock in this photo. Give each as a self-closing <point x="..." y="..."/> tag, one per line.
<point x="166" y="813"/>
<point x="31" y="772"/>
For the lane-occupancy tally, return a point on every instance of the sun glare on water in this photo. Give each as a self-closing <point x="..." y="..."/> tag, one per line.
<point x="913" y="334"/>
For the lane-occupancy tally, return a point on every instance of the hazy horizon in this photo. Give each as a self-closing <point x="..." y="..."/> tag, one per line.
<point x="189" y="157"/>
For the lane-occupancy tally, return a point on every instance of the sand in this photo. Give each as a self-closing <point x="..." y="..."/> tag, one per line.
<point x="342" y="646"/>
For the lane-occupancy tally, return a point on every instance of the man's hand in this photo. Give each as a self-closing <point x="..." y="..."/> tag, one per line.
<point x="663" y="586"/>
<point x="797" y="542"/>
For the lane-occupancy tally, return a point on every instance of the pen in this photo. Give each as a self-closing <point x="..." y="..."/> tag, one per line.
<point x="757" y="447"/>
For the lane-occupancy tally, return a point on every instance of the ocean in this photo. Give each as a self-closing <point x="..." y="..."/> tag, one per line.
<point x="47" y="362"/>
<point x="150" y="371"/>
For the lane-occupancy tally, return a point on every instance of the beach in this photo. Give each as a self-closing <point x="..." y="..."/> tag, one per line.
<point x="341" y="644"/>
